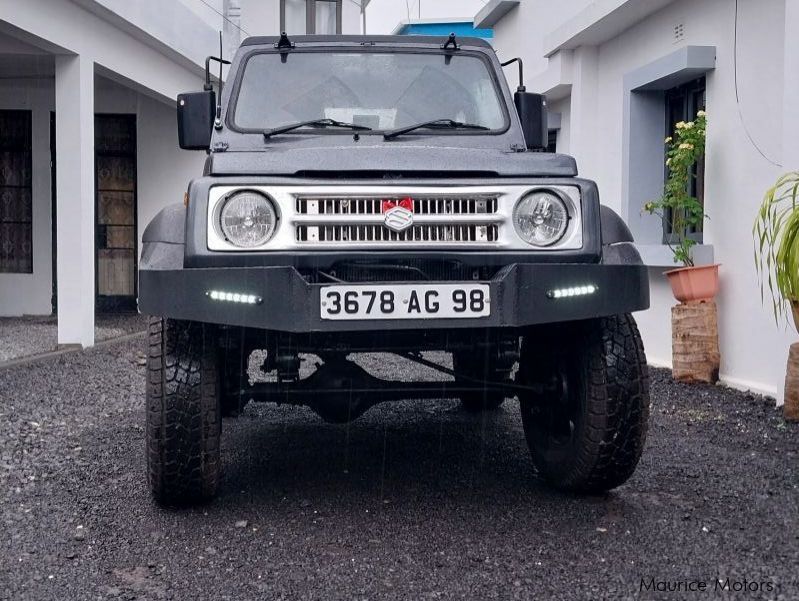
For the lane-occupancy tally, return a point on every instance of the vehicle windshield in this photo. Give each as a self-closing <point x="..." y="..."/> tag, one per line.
<point x="382" y="91"/>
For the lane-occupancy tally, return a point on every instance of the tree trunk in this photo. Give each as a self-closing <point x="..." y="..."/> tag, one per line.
<point x="695" y="342"/>
<point x="791" y="408"/>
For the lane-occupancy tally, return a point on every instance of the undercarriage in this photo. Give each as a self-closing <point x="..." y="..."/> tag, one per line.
<point x="323" y="372"/>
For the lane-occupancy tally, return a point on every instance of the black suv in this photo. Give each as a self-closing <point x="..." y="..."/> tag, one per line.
<point x="390" y="194"/>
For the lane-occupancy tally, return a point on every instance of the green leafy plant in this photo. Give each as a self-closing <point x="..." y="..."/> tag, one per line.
<point x="776" y="234"/>
<point x="677" y="208"/>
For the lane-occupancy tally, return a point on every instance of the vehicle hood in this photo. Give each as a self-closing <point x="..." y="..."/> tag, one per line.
<point x="374" y="160"/>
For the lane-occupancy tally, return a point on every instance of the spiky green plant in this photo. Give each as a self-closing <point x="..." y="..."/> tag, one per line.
<point x="776" y="235"/>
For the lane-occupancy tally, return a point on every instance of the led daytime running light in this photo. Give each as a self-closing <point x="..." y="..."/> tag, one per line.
<point x="234" y="297"/>
<point x="573" y="291"/>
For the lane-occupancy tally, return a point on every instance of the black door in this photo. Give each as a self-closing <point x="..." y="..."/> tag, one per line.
<point x="53" y="214"/>
<point x="16" y="205"/>
<point x="115" y="214"/>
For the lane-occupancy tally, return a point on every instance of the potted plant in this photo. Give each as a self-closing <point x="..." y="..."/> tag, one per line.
<point x="682" y="212"/>
<point x="776" y="234"/>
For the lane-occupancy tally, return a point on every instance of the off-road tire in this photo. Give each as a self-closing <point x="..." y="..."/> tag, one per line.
<point x="607" y="387"/>
<point x="478" y="366"/>
<point x="183" y="412"/>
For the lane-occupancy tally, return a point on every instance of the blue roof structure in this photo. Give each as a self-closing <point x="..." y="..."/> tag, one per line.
<point x="442" y="27"/>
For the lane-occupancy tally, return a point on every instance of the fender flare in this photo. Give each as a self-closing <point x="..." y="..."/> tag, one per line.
<point x="613" y="228"/>
<point x="164" y="240"/>
<point x="169" y="225"/>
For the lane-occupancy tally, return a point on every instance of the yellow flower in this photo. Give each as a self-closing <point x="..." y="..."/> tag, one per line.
<point x="689" y="125"/>
<point x="680" y="125"/>
<point x="668" y="162"/>
<point x="686" y="146"/>
<point x="701" y="114"/>
<point x="667" y="140"/>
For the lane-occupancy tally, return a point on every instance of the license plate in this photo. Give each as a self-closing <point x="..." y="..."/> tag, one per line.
<point x="405" y="301"/>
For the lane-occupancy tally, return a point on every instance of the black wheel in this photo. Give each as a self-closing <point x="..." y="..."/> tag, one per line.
<point x="586" y="432"/>
<point x="183" y="412"/>
<point x="479" y="366"/>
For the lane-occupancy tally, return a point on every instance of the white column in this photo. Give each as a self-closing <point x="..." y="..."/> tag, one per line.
<point x="584" y="111"/>
<point x="74" y="104"/>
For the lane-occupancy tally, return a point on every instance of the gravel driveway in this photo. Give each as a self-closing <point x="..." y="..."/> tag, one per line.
<point x="415" y="500"/>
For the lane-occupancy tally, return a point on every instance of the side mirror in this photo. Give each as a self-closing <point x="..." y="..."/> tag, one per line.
<point x="196" y="113"/>
<point x="532" y="109"/>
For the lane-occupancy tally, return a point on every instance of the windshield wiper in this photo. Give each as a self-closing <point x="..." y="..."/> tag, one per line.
<point x="435" y="124"/>
<point x="314" y="123"/>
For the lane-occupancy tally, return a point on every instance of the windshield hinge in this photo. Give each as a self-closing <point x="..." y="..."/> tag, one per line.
<point x="518" y="148"/>
<point x="451" y="43"/>
<point x="220" y="146"/>
<point x="284" y="43"/>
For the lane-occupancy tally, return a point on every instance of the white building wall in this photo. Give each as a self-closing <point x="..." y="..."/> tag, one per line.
<point x="30" y="293"/>
<point x="523" y="30"/>
<point x="754" y="350"/>
<point x="163" y="170"/>
<point x="262" y="17"/>
<point x="143" y="46"/>
<point x="163" y="174"/>
<point x="210" y="11"/>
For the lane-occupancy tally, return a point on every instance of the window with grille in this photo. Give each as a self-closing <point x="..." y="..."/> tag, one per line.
<point x="16" y="230"/>
<point x="682" y="104"/>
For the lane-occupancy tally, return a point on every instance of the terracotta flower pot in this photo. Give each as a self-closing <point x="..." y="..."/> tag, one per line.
<point x="795" y="311"/>
<point x="694" y="284"/>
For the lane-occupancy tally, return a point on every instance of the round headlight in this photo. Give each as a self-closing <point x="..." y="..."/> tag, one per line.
<point x="248" y="219"/>
<point x="541" y="218"/>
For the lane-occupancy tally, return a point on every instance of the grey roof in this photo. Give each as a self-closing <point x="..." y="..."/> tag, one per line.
<point x="357" y="40"/>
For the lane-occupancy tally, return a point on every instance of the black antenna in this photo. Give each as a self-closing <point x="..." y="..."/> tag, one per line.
<point x="208" y="86"/>
<point x="218" y="120"/>
<point x="521" y="87"/>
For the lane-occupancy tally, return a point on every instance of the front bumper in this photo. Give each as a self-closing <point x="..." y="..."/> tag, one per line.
<point x="519" y="294"/>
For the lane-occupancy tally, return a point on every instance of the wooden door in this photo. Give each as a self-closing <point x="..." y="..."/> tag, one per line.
<point x="115" y="187"/>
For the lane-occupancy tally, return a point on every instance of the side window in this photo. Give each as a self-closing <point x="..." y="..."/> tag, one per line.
<point x="299" y="17"/>
<point x="682" y="104"/>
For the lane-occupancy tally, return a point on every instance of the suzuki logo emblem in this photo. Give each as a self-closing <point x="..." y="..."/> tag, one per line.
<point x="398" y="215"/>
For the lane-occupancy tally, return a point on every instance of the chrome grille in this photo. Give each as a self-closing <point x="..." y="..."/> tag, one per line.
<point x="438" y="220"/>
<point x="434" y="205"/>
<point x="376" y="233"/>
